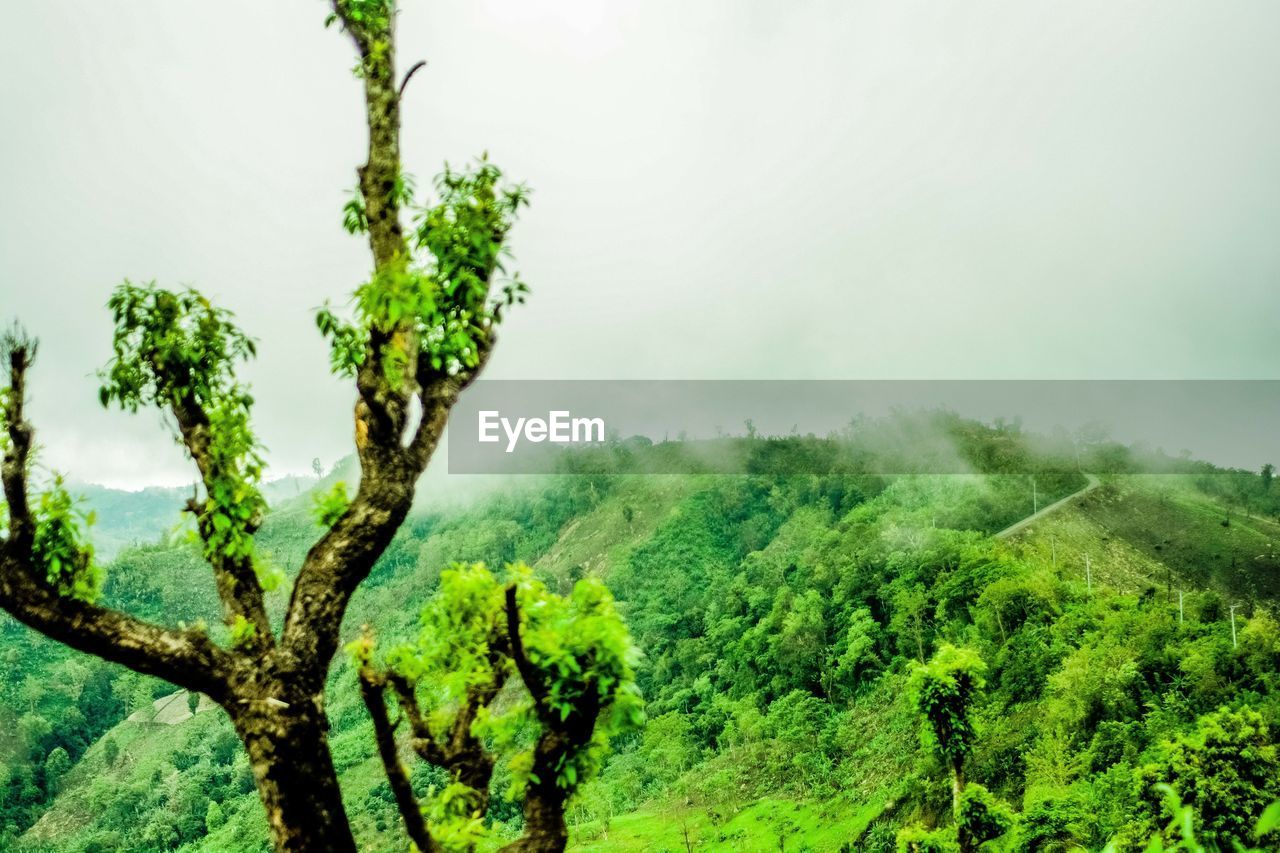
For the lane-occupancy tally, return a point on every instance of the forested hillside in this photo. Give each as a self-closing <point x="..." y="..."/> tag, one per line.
<point x="785" y="620"/>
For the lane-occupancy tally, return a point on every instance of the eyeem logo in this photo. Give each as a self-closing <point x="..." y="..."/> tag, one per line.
<point x="557" y="428"/>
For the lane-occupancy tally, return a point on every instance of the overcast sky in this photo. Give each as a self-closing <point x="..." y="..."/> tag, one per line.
<point x="723" y="189"/>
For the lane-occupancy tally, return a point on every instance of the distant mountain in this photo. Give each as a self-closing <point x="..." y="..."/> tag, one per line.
<point x="150" y="515"/>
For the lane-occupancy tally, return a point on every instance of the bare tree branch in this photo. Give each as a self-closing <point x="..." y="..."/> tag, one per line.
<point x="408" y="75"/>
<point x="438" y="393"/>
<point x="422" y="741"/>
<point x="187" y="658"/>
<point x="372" y="690"/>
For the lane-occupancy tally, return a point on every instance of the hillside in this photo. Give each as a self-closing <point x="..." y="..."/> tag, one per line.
<point x="129" y="518"/>
<point x="779" y="618"/>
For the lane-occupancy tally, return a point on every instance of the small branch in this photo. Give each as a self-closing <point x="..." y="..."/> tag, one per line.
<point x="461" y="753"/>
<point x="438" y="393"/>
<point x="533" y="680"/>
<point x="422" y="741"/>
<point x="372" y="689"/>
<point x="422" y="63"/>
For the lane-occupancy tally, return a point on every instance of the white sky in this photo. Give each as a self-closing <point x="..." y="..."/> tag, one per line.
<point x="723" y="189"/>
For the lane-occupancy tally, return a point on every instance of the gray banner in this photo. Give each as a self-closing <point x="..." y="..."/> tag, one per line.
<point x="889" y="426"/>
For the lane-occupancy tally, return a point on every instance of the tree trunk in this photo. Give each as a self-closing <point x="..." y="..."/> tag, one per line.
<point x="957" y="784"/>
<point x="289" y="751"/>
<point x="544" y="827"/>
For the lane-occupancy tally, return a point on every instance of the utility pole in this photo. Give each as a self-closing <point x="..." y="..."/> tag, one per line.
<point x="1179" y="607"/>
<point x="1035" y="498"/>
<point x="1088" y="575"/>
<point x="1233" y="625"/>
<point x="1053" y="551"/>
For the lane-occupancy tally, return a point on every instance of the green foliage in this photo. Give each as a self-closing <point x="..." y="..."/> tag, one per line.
<point x="578" y="647"/>
<point x="177" y="351"/>
<point x="915" y="839"/>
<point x="355" y="220"/>
<point x="944" y="691"/>
<point x="214" y="817"/>
<point x="443" y="292"/>
<point x="110" y="751"/>
<point x="981" y="817"/>
<point x="1226" y="772"/>
<point x="328" y="507"/>
<point x="171" y="348"/>
<point x="1181" y="831"/>
<point x="1051" y="821"/>
<point x="371" y="15"/>
<point x="56" y="767"/>
<point x="462" y="627"/>
<point x="243" y="632"/>
<point x="857" y="657"/>
<point x="60" y="546"/>
<point x="582" y="649"/>
<point x="455" y="821"/>
<point x="465" y="232"/>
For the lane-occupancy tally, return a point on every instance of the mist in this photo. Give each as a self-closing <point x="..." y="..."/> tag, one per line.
<point x="727" y="190"/>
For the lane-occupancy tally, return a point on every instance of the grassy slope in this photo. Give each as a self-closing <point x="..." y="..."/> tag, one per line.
<point x="144" y="749"/>
<point x="765" y="825"/>
<point x="1158" y="531"/>
<point x="600" y="540"/>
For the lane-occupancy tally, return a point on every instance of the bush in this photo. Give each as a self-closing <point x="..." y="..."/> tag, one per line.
<point x="980" y="817"/>
<point x="1226" y="771"/>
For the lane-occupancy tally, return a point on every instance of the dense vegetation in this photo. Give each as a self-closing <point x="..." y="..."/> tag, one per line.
<point x="802" y="636"/>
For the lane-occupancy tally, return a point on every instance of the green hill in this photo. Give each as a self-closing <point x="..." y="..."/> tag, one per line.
<point x="779" y="618"/>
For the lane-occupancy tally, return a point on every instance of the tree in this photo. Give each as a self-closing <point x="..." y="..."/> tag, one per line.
<point x="980" y="818"/>
<point x="910" y="616"/>
<point x="193" y="703"/>
<point x="214" y="817"/>
<point x="944" y="690"/>
<point x="857" y="655"/>
<point x="317" y="468"/>
<point x="110" y="752"/>
<point x="1268" y="474"/>
<point x="573" y="658"/>
<point x="56" y="767"/>
<point x="423" y="326"/>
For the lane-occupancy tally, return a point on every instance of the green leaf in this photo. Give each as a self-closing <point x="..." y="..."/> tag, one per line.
<point x="1270" y="820"/>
